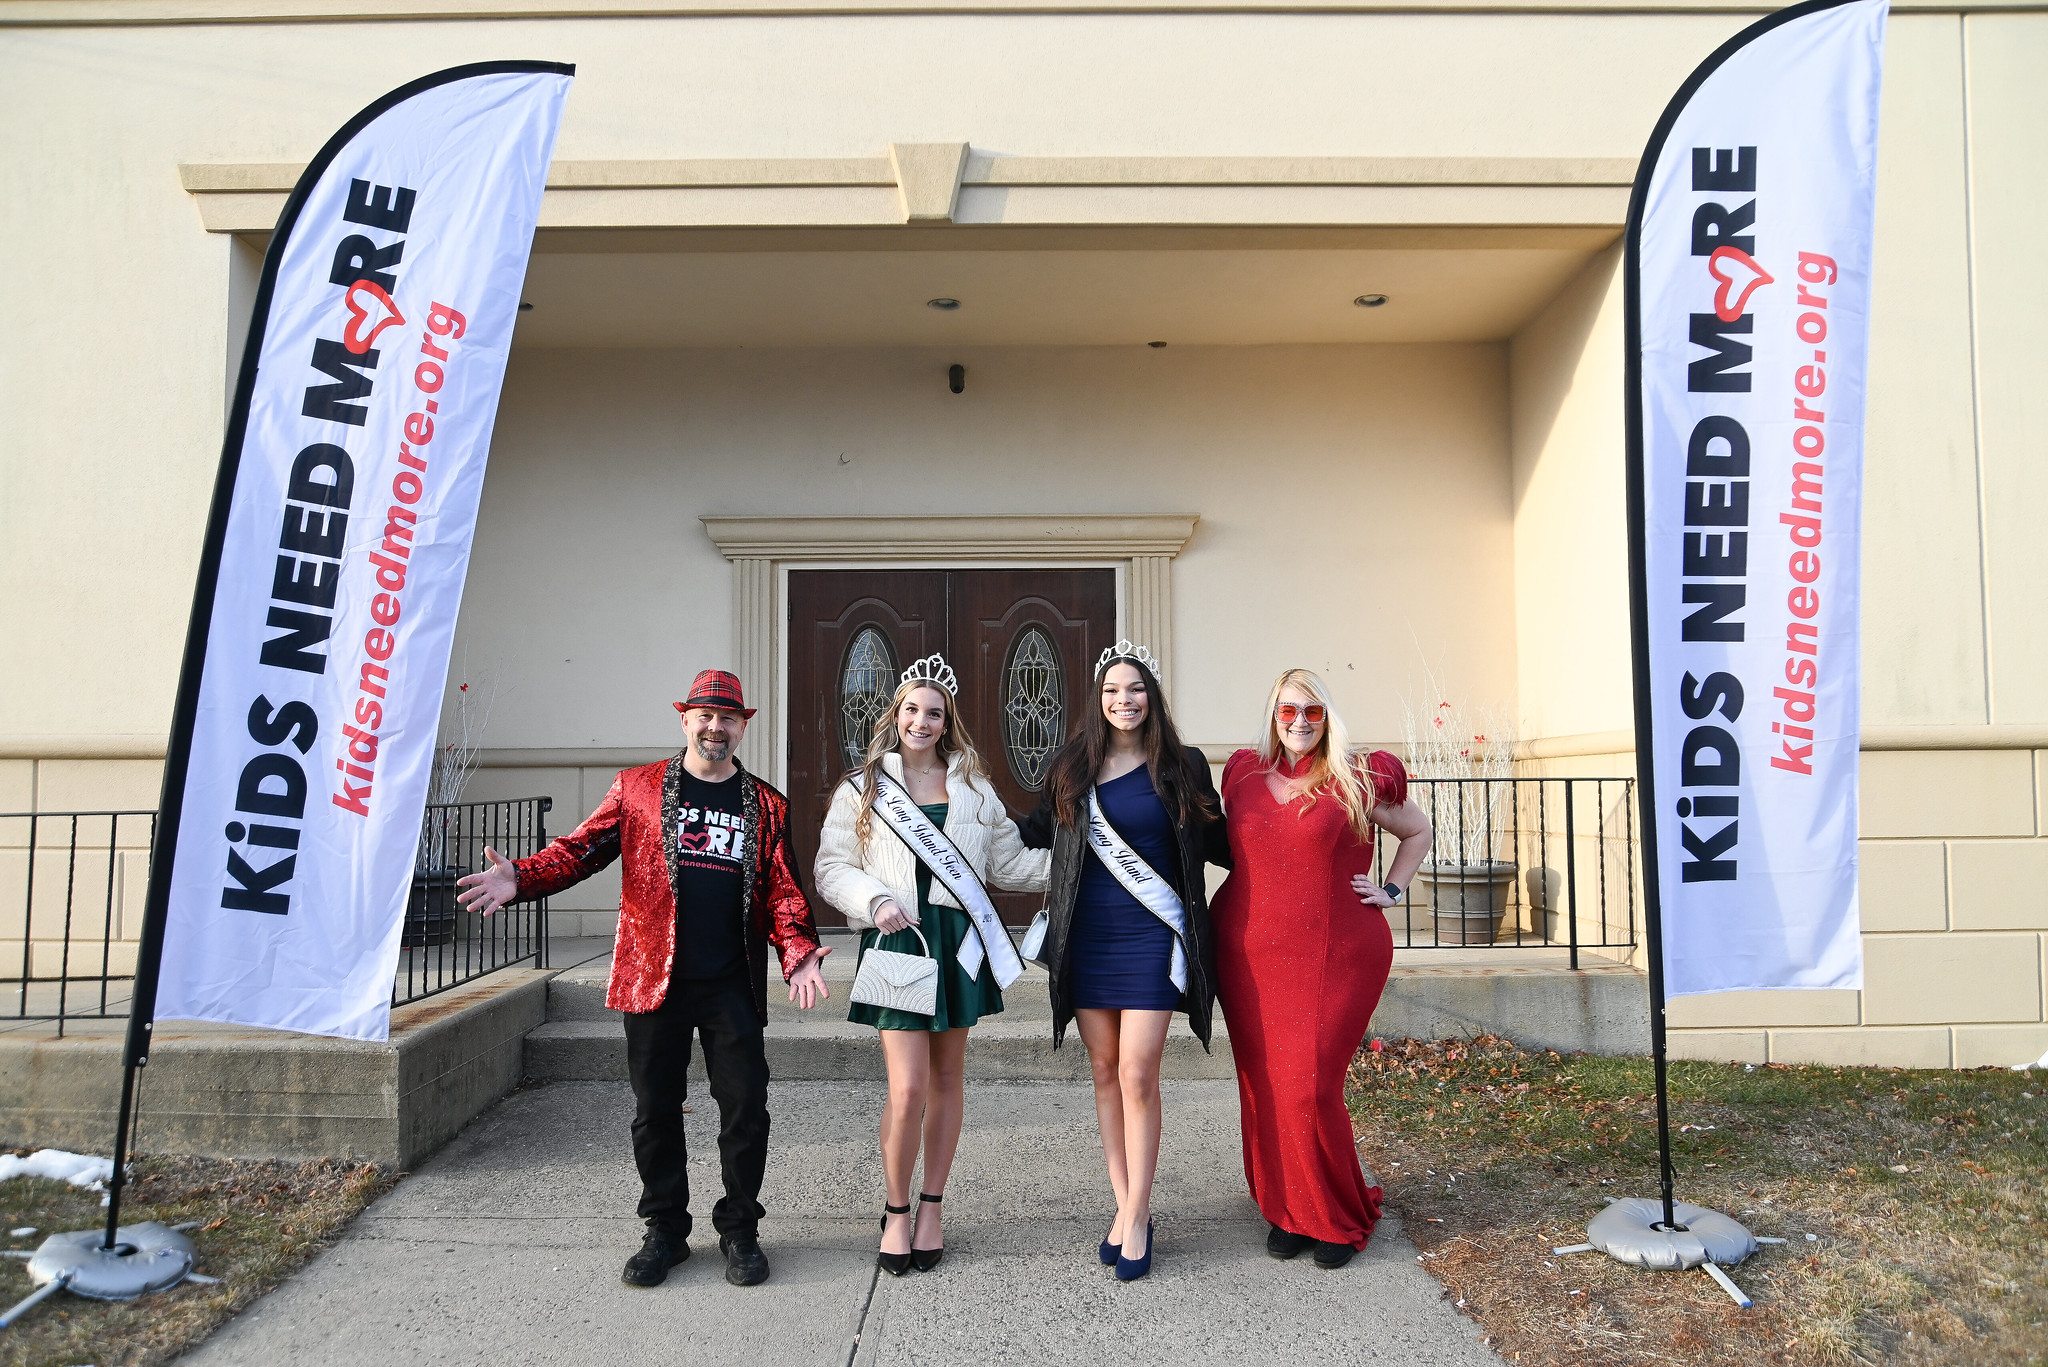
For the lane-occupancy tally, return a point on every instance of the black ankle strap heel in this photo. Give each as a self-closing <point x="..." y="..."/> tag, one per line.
<point x="895" y="1264"/>
<point x="927" y="1258"/>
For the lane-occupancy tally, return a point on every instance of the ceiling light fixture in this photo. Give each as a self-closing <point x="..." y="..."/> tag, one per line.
<point x="942" y="304"/>
<point x="1370" y="301"/>
<point x="1155" y="345"/>
<point x="525" y="307"/>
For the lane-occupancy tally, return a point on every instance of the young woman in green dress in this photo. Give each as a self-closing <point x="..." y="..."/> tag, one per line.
<point x="869" y="873"/>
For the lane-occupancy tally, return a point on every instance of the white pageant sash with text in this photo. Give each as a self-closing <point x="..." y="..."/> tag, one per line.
<point x="950" y="867"/>
<point x="1141" y="881"/>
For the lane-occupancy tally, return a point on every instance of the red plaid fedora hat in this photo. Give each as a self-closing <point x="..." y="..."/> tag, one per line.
<point x="716" y="688"/>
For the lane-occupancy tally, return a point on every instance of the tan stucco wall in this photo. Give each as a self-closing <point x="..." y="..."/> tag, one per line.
<point x="1493" y="467"/>
<point x="1312" y="469"/>
<point x="1571" y="530"/>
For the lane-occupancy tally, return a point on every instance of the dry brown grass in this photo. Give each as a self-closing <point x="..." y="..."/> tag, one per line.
<point x="259" y="1222"/>
<point x="1493" y="1155"/>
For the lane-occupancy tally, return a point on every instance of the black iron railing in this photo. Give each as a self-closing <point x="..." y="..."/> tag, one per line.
<point x="1525" y="862"/>
<point x="72" y="910"/>
<point x="444" y="946"/>
<point x="72" y="887"/>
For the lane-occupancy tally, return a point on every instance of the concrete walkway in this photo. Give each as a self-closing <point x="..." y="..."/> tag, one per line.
<point x="505" y="1248"/>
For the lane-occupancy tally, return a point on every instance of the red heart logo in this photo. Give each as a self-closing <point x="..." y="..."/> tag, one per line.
<point x="1757" y="279"/>
<point x="360" y="313"/>
<point x="700" y="841"/>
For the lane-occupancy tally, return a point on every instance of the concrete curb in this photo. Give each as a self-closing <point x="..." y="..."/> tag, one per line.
<point x="226" y="1092"/>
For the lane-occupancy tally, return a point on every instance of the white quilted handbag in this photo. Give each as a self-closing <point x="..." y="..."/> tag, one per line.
<point x="901" y="982"/>
<point x="1033" y="947"/>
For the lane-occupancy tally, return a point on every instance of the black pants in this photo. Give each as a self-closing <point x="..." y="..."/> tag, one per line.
<point x="721" y="1011"/>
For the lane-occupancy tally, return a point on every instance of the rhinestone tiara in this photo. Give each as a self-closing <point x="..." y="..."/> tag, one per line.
<point x="934" y="670"/>
<point x="1124" y="650"/>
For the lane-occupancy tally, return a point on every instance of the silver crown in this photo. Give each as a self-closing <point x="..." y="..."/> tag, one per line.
<point x="1124" y="650"/>
<point x="934" y="670"/>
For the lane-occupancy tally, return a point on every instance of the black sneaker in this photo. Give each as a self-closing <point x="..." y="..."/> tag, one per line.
<point x="1333" y="1255"/>
<point x="658" y="1253"/>
<point x="745" y="1263"/>
<point x="1280" y="1244"/>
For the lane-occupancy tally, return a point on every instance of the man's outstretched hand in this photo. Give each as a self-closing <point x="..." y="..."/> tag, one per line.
<point x="490" y="889"/>
<point x="807" y="984"/>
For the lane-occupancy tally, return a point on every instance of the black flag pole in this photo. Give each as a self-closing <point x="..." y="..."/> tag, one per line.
<point x="1639" y="632"/>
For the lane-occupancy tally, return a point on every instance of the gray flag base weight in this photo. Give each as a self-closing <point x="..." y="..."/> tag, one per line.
<point x="146" y="1257"/>
<point x="117" y="1262"/>
<point x="1633" y="1231"/>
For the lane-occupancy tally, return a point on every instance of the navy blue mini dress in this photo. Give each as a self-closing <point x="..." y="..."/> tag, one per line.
<point x="1122" y="954"/>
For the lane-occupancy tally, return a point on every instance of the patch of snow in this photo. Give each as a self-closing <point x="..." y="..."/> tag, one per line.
<point x="79" y="1169"/>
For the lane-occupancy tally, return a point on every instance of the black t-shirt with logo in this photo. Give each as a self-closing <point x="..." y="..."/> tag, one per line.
<point x="713" y="856"/>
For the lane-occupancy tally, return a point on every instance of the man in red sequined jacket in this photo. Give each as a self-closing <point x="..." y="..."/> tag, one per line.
<point x="708" y="884"/>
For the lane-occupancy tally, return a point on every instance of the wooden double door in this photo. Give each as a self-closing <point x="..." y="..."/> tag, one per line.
<point x="1023" y="643"/>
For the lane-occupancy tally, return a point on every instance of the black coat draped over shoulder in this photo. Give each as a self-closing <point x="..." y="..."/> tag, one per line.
<point x="1200" y="842"/>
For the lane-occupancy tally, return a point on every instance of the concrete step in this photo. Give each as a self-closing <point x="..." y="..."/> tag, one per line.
<point x="1001" y="1049"/>
<point x="1530" y="995"/>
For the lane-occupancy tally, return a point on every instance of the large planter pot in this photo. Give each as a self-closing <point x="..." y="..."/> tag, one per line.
<point x="1544" y="888"/>
<point x="1467" y="899"/>
<point x="431" y="911"/>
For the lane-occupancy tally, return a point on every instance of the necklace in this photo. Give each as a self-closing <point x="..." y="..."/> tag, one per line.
<point x="916" y="770"/>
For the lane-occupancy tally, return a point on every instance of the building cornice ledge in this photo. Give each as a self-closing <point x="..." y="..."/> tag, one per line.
<point x="277" y="177"/>
<point x="979" y="192"/>
<point x="155" y="13"/>
<point x="84" y="747"/>
<point x="950" y="537"/>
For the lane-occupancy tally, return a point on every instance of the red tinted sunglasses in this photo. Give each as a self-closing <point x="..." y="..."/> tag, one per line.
<point x="1313" y="713"/>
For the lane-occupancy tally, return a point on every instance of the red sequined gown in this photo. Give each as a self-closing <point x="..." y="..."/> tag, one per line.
<point x="1300" y="966"/>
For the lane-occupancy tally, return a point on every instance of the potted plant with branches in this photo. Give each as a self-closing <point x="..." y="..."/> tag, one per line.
<point x="1471" y="759"/>
<point x="431" y="912"/>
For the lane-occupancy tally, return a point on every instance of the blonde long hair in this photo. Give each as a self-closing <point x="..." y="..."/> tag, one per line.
<point x="885" y="740"/>
<point x="1350" y="781"/>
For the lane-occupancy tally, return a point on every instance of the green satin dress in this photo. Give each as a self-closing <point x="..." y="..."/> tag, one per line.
<point x="962" y="1000"/>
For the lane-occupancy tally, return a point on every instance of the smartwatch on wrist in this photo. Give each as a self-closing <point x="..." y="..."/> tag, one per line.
<point x="1393" y="891"/>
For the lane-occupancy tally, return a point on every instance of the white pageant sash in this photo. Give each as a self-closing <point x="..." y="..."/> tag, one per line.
<point x="1154" y="893"/>
<point x="950" y="867"/>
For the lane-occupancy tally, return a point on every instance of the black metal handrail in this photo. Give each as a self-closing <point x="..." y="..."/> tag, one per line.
<point x="444" y="946"/>
<point x="1509" y="861"/>
<point x="67" y="943"/>
<point x="68" y="939"/>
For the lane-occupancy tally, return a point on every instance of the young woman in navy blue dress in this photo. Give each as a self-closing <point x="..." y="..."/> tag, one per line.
<point x="1121" y="966"/>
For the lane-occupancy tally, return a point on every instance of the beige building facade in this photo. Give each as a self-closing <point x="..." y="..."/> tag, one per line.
<point x="731" y="375"/>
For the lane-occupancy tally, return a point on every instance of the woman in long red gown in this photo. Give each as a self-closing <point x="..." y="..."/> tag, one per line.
<point x="1302" y="954"/>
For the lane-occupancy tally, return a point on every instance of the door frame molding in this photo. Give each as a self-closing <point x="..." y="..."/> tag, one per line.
<point x="1140" y="547"/>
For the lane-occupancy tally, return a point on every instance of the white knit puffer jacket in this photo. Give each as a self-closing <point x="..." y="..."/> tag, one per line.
<point x="856" y="878"/>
